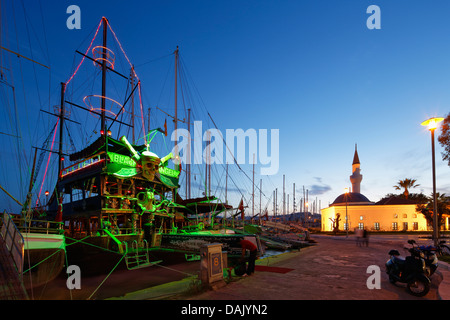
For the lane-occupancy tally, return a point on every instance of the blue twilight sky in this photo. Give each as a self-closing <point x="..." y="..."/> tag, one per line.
<point x="311" y="69"/>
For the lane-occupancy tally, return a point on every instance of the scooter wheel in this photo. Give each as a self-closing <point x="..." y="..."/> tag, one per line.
<point x="418" y="287"/>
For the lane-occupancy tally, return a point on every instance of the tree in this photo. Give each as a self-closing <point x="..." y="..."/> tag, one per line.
<point x="442" y="208"/>
<point x="444" y="139"/>
<point x="405" y="184"/>
<point x="416" y="197"/>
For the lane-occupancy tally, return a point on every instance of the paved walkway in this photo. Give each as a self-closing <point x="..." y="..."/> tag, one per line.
<point x="333" y="269"/>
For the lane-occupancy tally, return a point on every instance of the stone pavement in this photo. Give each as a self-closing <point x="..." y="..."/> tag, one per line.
<point x="333" y="269"/>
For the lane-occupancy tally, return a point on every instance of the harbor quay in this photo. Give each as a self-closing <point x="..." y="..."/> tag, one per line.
<point x="332" y="268"/>
<point x="335" y="268"/>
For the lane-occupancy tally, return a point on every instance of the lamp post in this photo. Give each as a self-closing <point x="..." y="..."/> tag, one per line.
<point x="346" y="216"/>
<point x="432" y="124"/>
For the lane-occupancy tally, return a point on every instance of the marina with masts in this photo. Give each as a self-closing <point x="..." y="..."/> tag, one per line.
<point x="117" y="202"/>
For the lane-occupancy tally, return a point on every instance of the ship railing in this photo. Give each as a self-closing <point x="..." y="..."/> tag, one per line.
<point x="83" y="164"/>
<point x="13" y="240"/>
<point x="39" y="226"/>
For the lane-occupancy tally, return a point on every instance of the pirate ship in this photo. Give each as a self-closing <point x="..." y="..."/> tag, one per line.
<point x="118" y="198"/>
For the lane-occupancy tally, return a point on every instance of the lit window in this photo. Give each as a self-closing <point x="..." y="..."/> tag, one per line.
<point x="376" y="226"/>
<point x="394" y="226"/>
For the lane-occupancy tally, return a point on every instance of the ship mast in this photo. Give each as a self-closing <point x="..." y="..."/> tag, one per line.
<point x="61" y="128"/>
<point x="105" y="24"/>
<point x="188" y="164"/>
<point x="176" y="105"/>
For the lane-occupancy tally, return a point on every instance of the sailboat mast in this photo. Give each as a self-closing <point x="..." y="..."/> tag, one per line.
<point x="273" y="203"/>
<point x="226" y="184"/>
<point x="132" y="104"/>
<point x="260" y="208"/>
<point x="188" y="164"/>
<point x="207" y="165"/>
<point x="176" y="103"/>
<point x="253" y="190"/>
<point x="276" y="201"/>
<point x="105" y="25"/>
<point x="284" y="199"/>
<point x="61" y="128"/>
<point x="294" y="204"/>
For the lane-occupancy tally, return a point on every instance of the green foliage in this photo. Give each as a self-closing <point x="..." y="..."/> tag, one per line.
<point x="442" y="208"/>
<point x="405" y="184"/>
<point x="444" y="139"/>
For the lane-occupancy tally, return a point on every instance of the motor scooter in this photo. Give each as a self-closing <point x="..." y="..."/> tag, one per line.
<point x="430" y="257"/>
<point x="410" y="270"/>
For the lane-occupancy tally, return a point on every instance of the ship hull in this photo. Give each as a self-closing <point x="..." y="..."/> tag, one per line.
<point x="44" y="258"/>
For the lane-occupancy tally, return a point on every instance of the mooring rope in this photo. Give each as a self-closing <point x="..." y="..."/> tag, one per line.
<point x="123" y="256"/>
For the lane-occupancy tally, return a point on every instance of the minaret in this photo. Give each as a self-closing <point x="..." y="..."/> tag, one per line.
<point x="356" y="176"/>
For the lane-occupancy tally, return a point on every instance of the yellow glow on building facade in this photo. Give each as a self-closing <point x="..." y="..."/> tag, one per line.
<point x="374" y="217"/>
<point x="354" y="210"/>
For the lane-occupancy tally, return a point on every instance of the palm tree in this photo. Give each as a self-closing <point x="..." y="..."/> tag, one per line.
<point x="442" y="207"/>
<point x="405" y="184"/>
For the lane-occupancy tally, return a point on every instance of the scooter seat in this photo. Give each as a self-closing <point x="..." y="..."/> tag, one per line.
<point x="399" y="260"/>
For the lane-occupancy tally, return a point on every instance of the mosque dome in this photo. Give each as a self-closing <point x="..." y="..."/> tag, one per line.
<point x="351" y="198"/>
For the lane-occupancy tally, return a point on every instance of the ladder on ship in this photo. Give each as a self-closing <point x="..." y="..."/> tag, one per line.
<point x="138" y="255"/>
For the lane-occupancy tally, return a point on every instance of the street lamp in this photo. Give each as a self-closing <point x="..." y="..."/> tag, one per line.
<point x="346" y="216"/>
<point x="432" y="124"/>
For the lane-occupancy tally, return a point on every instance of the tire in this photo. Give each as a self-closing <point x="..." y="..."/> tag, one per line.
<point x="418" y="287"/>
<point x="445" y="250"/>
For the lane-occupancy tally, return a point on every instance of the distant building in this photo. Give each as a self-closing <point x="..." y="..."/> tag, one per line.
<point x="354" y="210"/>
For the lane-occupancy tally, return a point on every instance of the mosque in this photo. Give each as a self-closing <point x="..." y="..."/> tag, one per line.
<point x="353" y="210"/>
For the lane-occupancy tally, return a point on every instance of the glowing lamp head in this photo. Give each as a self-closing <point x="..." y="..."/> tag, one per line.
<point x="346" y="190"/>
<point x="47" y="193"/>
<point x="432" y="123"/>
